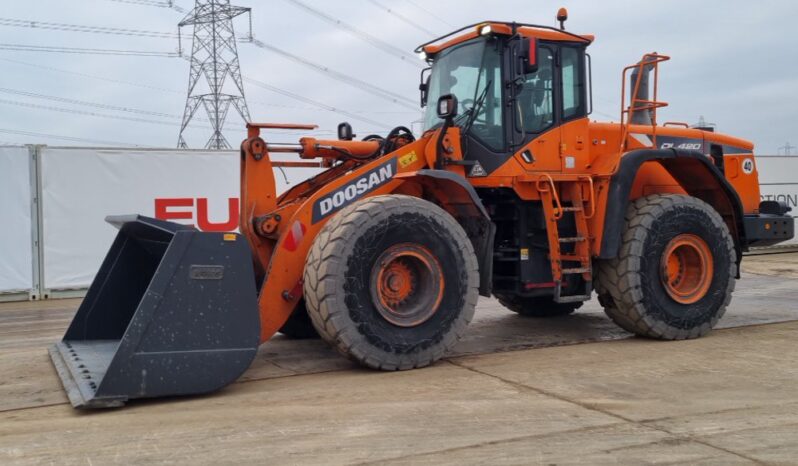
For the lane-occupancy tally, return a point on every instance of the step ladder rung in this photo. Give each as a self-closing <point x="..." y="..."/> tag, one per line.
<point x="576" y="270"/>
<point x="573" y="298"/>
<point x="572" y="209"/>
<point x="572" y="239"/>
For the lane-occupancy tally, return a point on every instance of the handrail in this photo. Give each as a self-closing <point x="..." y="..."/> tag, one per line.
<point x="675" y="123"/>
<point x="281" y="126"/>
<point x="649" y="59"/>
<point x="592" y="198"/>
<point x="512" y="25"/>
<point x="545" y="177"/>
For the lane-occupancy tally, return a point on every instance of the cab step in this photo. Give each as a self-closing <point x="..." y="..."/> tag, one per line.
<point x="573" y="298"/>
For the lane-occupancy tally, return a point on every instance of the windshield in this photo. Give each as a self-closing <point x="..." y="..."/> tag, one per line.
<point x="472" y="73"/>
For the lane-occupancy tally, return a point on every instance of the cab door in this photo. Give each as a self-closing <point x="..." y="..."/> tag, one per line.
<point x="573" y="108"/>
<point x="534" y="115"/>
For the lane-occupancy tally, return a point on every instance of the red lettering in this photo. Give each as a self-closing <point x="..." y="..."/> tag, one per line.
<point x="206" y="225"/>
<point x="163" y="206"/>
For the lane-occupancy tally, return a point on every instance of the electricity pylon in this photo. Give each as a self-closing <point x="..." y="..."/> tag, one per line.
<point x="214" y="56"/>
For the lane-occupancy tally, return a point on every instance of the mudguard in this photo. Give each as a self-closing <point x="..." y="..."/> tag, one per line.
<point x="694" y="171"/>
<point x="470" y="213"/>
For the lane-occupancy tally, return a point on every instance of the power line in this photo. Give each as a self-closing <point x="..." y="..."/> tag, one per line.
<point x="314" y="102"/>
<point x="291" y="95"/>
<point x="352" y="81"/>
<point x="85" y="113"/>
<point x="88" y="29"/>
<point x="130" y="83"/>
<point x="431" y="14"/>
<point x="162" y="4"/>
<point x="88" y="104"/>
<point x="67" y="138"/>
<point x="380" y="44"/>
<point x="365" y="86"/>
<point x="403" y="18"/>
<point x="111" y="107"/>
<point x="85" y="51"/>
<point x="48" y="108"/>
<point x="162" y="89"/>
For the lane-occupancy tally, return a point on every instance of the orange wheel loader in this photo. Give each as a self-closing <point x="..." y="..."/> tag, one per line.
<point x="511" y="191"/>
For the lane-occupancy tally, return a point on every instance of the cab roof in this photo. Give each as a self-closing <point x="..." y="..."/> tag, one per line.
<point x="501" y="28"/>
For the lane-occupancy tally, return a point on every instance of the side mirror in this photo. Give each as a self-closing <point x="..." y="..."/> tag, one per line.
<point x="345" y="132"/>
<point x="447" y="107"/>
<point x="528" y="55"/>
<point x="424" y="87"/>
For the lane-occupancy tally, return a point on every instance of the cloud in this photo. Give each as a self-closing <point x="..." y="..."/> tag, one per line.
<point x="734" y="65"/>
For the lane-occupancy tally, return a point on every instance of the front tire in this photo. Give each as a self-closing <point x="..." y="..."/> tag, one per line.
<point x="675" y="271"/>
<point x="391" y="282"/>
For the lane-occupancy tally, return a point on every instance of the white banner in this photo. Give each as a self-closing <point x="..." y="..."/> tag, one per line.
<point x="778" y="181"/>
<point x="16" y="251"/>
<point x="82" y="186"/>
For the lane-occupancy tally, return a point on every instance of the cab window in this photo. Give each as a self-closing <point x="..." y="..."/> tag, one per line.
<point x="573" y="83"/>
<point x="535" y="101"/>
<point x="472" y="72"/>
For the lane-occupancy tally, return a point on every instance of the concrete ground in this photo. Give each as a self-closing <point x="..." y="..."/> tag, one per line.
<point x="572" y="390"/>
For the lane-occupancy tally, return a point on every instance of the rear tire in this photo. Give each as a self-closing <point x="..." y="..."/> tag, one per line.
<point x="675" y="271"/>
<point x="391" y="282"/>
<point x="538" y="306"/>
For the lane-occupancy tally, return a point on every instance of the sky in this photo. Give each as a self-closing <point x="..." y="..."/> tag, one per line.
<point x="733" y="62"/>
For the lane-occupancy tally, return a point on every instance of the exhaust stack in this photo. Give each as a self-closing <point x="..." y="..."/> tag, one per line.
<point x="641" y="115"/>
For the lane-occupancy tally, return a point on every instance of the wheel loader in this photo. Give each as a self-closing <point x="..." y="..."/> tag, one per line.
<point x="511" y="190"/>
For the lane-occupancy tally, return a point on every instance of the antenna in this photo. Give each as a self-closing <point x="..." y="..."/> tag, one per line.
<point x="214" y="55"/>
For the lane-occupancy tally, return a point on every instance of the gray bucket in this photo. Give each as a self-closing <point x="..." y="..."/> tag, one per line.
<point x="172" y="311"/>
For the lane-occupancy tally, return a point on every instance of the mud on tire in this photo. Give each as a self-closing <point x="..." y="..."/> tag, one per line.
<point x="634" y="287"/>
<point x="340" y="276"/>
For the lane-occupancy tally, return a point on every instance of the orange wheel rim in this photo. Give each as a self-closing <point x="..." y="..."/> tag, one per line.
<point x="407" y="284"/>
<point x="687" y="268"/>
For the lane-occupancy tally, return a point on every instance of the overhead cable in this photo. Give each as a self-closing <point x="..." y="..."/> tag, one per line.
<point x="378" y="43"/>
<point x="403" y="18"/>
<point x="352" y="81"/>
<point x="85" y="51"/>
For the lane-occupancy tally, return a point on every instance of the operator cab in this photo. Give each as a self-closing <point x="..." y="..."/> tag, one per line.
<point x="514" y="83"/>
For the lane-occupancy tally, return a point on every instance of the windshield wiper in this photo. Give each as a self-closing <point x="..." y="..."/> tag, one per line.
<point x="476" y="108"/>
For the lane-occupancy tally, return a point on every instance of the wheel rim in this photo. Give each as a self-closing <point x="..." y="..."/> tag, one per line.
<point x="687" y="268"/>
<point x="407" y="284"/>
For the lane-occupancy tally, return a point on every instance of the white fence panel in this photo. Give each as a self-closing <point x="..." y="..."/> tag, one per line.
<point x="82" y="186"/>
<point x="16" y="236"/>
<point x="778" y="181"/>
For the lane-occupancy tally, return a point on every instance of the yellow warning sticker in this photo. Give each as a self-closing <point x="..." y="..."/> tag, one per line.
<point x="524" y="254"/>
<point x="407" y="159"/>
<point x="229" y="236"/>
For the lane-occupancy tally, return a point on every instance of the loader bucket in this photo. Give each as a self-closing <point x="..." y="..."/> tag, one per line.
<point x="172" y="311"/>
